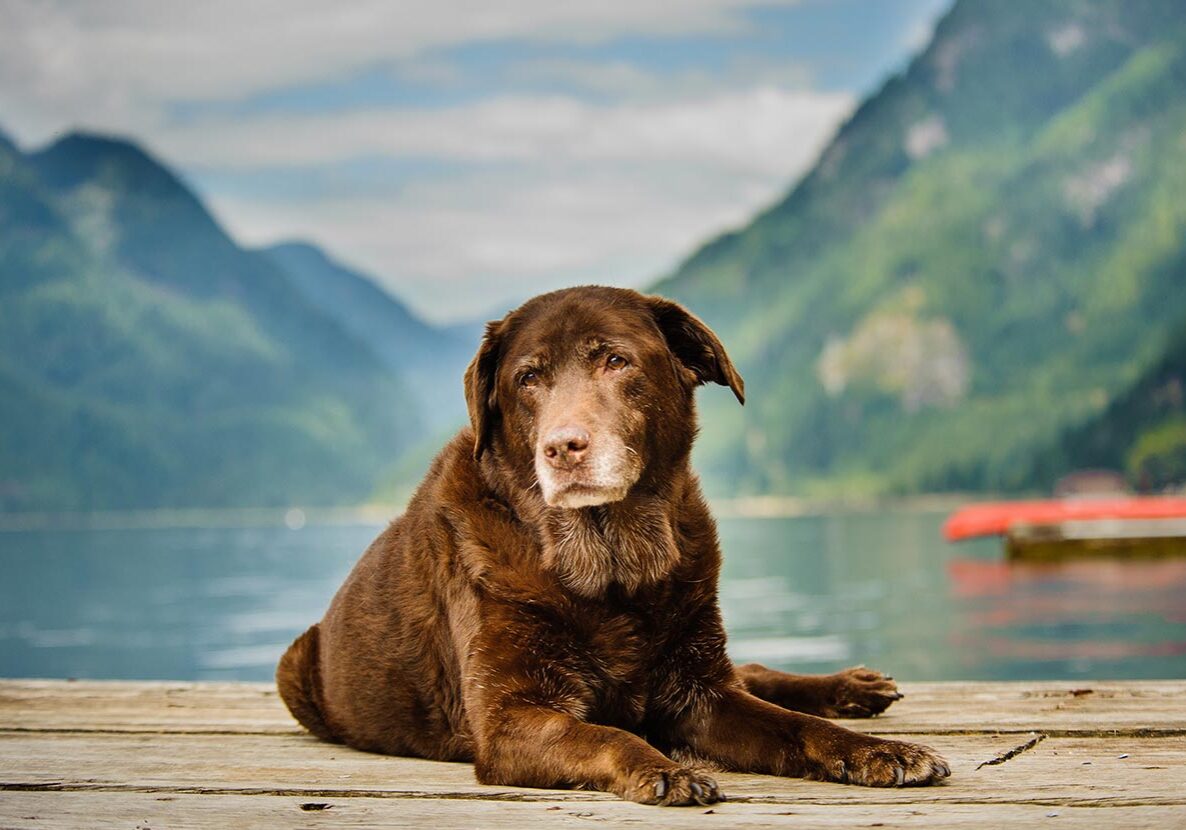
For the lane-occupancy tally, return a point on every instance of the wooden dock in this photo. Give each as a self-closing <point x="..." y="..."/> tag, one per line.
<point x="166" y="755"/>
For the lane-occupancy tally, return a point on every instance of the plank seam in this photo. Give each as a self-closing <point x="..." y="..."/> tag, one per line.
<point x="573" y="796"/>
<point x="1121" y="732"/>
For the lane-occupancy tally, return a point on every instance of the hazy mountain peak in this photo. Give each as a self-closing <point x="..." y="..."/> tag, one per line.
<point x="227" y="387"/>
<point x="81" y="157"/>
<point x="307" y="264"/>
<point x="299" y="247"/>
<point x="432" y="359"/>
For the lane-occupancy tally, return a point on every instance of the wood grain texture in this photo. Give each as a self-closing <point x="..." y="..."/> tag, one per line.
<point x="1057" y="771"/>
<point x="1111" y="707"/>
<point x="146" y="811"/>
<point x="154" y="755"/>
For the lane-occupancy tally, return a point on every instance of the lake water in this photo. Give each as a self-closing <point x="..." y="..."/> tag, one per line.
<point x="806" y="593"/>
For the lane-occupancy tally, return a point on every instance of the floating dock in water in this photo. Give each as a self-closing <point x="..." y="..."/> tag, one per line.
<point x="1056" y="529"/>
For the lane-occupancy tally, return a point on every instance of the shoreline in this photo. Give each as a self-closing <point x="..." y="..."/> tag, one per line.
<point x="298" y="517"/>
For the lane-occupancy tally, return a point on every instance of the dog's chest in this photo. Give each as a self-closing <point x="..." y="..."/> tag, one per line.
<point x="620" y="662"/>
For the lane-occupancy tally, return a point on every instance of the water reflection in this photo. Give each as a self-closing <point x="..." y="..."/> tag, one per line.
<point x="814" y="594"/>
<point x="808" y="594"/>
<point x="1082" y="613"/>
<point x="210" y="603"/>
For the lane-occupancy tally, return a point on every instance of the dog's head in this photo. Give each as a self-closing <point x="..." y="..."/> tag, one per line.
<point x="587" y="390"/>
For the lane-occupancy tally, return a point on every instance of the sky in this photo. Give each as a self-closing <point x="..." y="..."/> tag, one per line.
<point x="466" y="153"/>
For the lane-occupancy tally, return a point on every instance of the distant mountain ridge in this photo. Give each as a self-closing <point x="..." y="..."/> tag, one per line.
<point x="431" y="360"/>
<point x="147" y="360"/>
<point x="991" y="250"/>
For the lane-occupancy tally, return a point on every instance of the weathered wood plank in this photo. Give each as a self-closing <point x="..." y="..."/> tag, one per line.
<point x="227" y="755"/>
<point x="1082" y="771"/>
<point x="142" y="811"/>
<point x="132" y="706"/>
<point x="1055" y="708"/>
<point x="1111" y="707"/>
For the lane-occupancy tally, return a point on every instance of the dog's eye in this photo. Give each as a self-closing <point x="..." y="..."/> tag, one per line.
<point x="528" y="379"/>
<point x="616" y="361"/>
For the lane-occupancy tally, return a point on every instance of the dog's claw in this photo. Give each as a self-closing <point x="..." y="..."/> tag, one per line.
<point x="708" y="792"/>
<point x="884" y="763"/>
<point x="677" y="787"/>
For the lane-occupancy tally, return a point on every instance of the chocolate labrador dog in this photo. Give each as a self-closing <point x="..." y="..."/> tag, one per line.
<point x="547" y="606"/>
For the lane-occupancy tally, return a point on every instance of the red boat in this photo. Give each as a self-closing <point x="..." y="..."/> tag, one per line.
<point x="999" y="518"/>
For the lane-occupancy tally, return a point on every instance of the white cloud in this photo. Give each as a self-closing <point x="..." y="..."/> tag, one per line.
<point x="552" y="189"/>
<point x="113" y="65"/>
<point x="452" y="247"/>
<point x="566" y="191"/>
<point x="627" y="81"/>
<point x="765" y="129"/>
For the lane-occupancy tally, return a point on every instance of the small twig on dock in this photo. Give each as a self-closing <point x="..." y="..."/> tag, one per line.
<point x="1012" y="753"/>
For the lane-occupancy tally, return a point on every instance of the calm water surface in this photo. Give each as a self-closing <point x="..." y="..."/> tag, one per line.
<point x="808" y="594"/>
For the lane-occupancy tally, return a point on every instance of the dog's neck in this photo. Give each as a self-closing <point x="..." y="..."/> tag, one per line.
<point x="630" y="543"/>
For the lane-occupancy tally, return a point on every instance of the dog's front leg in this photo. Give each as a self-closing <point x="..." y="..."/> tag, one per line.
<point x="536" y="746"/>
<point x="527" y="713"/>
<point x="743" y="732"/>
<point x="853" y="693"/>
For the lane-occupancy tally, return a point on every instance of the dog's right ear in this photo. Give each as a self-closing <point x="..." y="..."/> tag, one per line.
<point x="480" y="390"/>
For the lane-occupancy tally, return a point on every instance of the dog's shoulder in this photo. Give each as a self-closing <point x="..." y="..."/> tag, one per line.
<point x="489" y="542"/>
<point x="453" y="489"/>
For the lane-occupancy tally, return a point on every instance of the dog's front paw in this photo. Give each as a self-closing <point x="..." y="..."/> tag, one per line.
<point x="858" y="693"/>
<point x="873" y="762"/>
<point x="672" y="787"/>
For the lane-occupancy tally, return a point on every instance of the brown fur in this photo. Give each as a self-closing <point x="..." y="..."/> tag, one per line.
<point x="575" y="647"/>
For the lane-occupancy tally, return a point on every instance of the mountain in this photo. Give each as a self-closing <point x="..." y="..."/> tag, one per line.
<point x="147" y="360"/>
<point x="1142" y="432"/>
<point x="989" y="252"/>
<point x="431" y="360"/>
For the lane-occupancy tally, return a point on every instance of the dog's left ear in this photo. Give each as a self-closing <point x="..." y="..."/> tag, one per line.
<point x="696" y="346"/>
<point x="480" y="396"/>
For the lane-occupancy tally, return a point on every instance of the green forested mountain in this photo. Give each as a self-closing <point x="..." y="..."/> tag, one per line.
<point x="430" y="360"/>
<point x="989" y="253"/>
<point x="1142" y="432"/>
<point x="147" y="360"/>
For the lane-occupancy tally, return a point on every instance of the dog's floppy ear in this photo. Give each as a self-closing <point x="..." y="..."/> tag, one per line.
<point x="696" y="346"/>
<point x="480" y="395"/>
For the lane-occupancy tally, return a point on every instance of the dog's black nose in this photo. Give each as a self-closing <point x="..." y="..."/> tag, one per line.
<point x="566" y="446"/>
